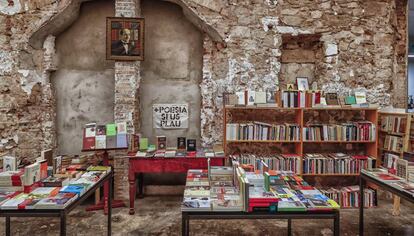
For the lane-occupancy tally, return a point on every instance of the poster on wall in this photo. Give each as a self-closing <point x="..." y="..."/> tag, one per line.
<point x="170" y="116"/>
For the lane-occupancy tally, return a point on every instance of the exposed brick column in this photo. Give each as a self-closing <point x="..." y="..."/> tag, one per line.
<point x="126" y="108"/>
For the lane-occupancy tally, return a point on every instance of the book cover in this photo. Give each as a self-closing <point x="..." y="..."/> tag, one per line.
<point x="57" y="164"/>
<point x="161" y="142"/>
<point x="89" y="143"/>
<point x="331" y="99"/>
<point x="31" y="174"/>
<point x="251" y="97"/>
<point x="121" y="141"/>
<point x="111" y="141"/>
<point x="100" y="130"/>
<point x="360" y="97"/>
<point x="110" y="129"/>
<point x="181" y="143"/>
<point x="9" y="163"/>
<point x="270" y="96"/>
<point x="100" y="141"/>
<point x="191" y="145"/>
<point x="90" y="130"/>
<point x="260" y="97"/>
<point x="121" y="127"/>
<point x="240" y="98"/>
<point x="349" y="100"/>
<point x="143" y="144"/>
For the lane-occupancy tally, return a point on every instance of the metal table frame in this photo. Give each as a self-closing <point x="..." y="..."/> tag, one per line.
<point x="62" y="213"/>
<point x="363" y="180"/>
<point x="212" y="215"/>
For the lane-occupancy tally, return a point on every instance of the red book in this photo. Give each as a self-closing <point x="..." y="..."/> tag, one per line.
<point x="387" y="177"/>
<point x="191" y="154"/>
<point x="360" y="157"/>
<point x="89" y="143"/>
<point x="317" y="98"/>
<point x="43" y="170"/>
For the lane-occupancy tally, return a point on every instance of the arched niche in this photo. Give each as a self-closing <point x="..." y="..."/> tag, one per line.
<point x="68" y="12"/>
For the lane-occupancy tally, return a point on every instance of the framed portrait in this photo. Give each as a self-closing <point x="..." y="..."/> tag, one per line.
<point x="302" y="83"/>
<point x="125" y="39"/>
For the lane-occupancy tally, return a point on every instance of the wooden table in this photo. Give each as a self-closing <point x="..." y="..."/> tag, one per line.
<point x="140" y="165"/>
<point x="62" y="213"/>
<point x="186" y="216"/>
<point x="365" y="179"/>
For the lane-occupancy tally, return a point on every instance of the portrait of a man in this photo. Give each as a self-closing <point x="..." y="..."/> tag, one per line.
<point x="125" y="39"/>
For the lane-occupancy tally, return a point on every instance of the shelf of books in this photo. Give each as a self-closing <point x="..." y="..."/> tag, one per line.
<point x="320" y="143"/>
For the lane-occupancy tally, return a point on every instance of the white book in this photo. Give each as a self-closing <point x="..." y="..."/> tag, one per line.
<point x="260" y="97"/>
<point x="31" y="174"/>
<point x="251" y="97"/>
<point x="9" y="163"/>
<point x="240" y="98"/>
<point x="121" y="128"/>
<point x="90" y="130"/>
<point x="360" y="97"/>
<point x="100" y="141"/>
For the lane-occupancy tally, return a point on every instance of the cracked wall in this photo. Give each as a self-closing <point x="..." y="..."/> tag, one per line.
<point x="363" y="47"/>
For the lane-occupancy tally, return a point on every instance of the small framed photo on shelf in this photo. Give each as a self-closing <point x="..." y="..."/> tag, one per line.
<point x="332" y="99"/>
<point x="302" y="83"/>
<point x="124" y="39"/>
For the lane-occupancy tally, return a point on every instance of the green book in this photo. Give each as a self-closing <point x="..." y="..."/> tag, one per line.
<point x="349" y="100"/>
<point x="143" y="144"/>
<point x="111" y="129"/>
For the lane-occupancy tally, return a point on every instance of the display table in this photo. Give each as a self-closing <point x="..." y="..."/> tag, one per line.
<point x="366" y="179"/>
<point x="215" y="215"/>
<point x="140" y="165"/>
<point x="62" y="213"/>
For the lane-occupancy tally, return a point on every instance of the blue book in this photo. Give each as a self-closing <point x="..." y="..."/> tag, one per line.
<point x="77" y="189"/>
<point x="121" y="141"/>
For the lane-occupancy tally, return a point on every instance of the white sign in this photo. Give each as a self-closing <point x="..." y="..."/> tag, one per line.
<point x="170" y="116"/>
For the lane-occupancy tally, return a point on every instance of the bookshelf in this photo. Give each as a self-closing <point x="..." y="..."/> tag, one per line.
<point x="301" y="117"/>
<point x="398" y="125"/>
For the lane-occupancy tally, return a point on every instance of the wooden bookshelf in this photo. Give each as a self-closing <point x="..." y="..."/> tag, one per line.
<point x="406" y="144"/>
<point x="300" y="116"/>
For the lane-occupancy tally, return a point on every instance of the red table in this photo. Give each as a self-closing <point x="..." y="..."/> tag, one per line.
<point x="105" y="162"/>
<point x="140" y="165"/>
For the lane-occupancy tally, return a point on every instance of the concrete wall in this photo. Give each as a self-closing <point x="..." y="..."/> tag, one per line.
<point x="84" y="81"/>
<point x="172" y="69"/>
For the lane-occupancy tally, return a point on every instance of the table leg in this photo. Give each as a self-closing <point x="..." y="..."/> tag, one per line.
<point x="105" y="161"/>
<point x="182" y="224"/>
<point x="336" y="223"/>
<point x="141" y="185"/>
<point x="62" y="223"/>
<point x="8" y="226"/>
<point x="361" y="206"/>
<point x="185" y="224"/>
<point x="132" y="190"/>
<point x="290" y="227"/>
<point x="110" y="207"/>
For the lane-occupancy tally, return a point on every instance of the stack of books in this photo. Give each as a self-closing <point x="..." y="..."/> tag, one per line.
<point x="336" y="163"/>
<point x="197" y="191"/>
<point x="348" y="197"/>
<point x="356" y="131"/>
<point x="288" y="162"/>
<point x="262" y="131"/>
<point x="58" y="194"/>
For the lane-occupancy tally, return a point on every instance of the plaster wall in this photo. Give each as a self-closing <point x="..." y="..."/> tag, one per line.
<point x="84" y="82"/>
<point x="172" y="69"/>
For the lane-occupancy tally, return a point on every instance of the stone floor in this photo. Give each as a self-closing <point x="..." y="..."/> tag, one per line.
<point x="161" y="216"/>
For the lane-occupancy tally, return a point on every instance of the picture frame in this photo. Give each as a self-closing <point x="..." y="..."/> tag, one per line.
<point x="302" y="83"/>
<point x="125" y="38"/>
